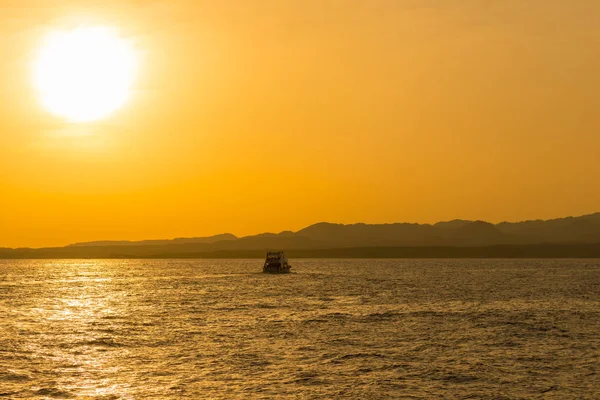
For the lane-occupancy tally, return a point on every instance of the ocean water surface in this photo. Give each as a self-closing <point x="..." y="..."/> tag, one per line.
<point x="351" y="329"/>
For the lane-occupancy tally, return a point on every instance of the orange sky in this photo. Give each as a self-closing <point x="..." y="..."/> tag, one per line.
<point x="252" y="116"/>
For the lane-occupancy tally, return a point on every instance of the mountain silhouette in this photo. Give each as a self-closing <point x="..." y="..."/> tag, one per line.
<point x="574" y="235"/>
<point x="209" y="239"/>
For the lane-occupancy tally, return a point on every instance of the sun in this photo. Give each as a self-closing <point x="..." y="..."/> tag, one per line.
<point x="84" y="74"/>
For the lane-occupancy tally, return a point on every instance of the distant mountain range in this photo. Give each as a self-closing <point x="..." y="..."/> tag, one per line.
<point x="577" y="236"/>
<point x="210" y="239"/>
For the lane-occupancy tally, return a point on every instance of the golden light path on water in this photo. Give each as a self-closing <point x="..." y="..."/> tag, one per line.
<point x="142" y="329"/>
<point x="78" y="303"/>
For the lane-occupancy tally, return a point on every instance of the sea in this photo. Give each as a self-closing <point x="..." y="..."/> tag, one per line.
<point x="332" y="329"/>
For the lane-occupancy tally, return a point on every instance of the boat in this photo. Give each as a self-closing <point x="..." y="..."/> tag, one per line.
<point x="276" y="263"/>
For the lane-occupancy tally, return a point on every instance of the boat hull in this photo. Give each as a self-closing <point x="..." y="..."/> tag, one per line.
<point x="276" y="269"/>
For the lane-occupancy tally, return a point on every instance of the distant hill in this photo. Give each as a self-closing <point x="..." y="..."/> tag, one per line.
<point x="584" y="229"/>
<point x="573" y="236"/>
<point x="210" y="239"/>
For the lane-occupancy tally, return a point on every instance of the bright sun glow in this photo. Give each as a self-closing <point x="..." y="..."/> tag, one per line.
<point x="84" y="74"/>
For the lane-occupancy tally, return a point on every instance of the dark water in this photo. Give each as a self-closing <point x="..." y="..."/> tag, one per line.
<point x="351" y="329"/>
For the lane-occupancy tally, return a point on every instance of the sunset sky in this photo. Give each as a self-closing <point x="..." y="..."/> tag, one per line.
<point x="269" y="115"/>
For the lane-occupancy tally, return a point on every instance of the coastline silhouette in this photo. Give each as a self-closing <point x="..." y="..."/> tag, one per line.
<point x="563" y="237"/>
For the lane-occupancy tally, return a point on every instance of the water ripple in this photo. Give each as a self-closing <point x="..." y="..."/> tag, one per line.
<point x="371" y="329"/>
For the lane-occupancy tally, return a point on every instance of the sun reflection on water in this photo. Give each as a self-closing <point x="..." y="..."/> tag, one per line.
<point x="78" y="310"/>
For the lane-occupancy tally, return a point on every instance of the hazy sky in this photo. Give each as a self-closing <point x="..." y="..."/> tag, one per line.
<point x="252" y="116"/>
